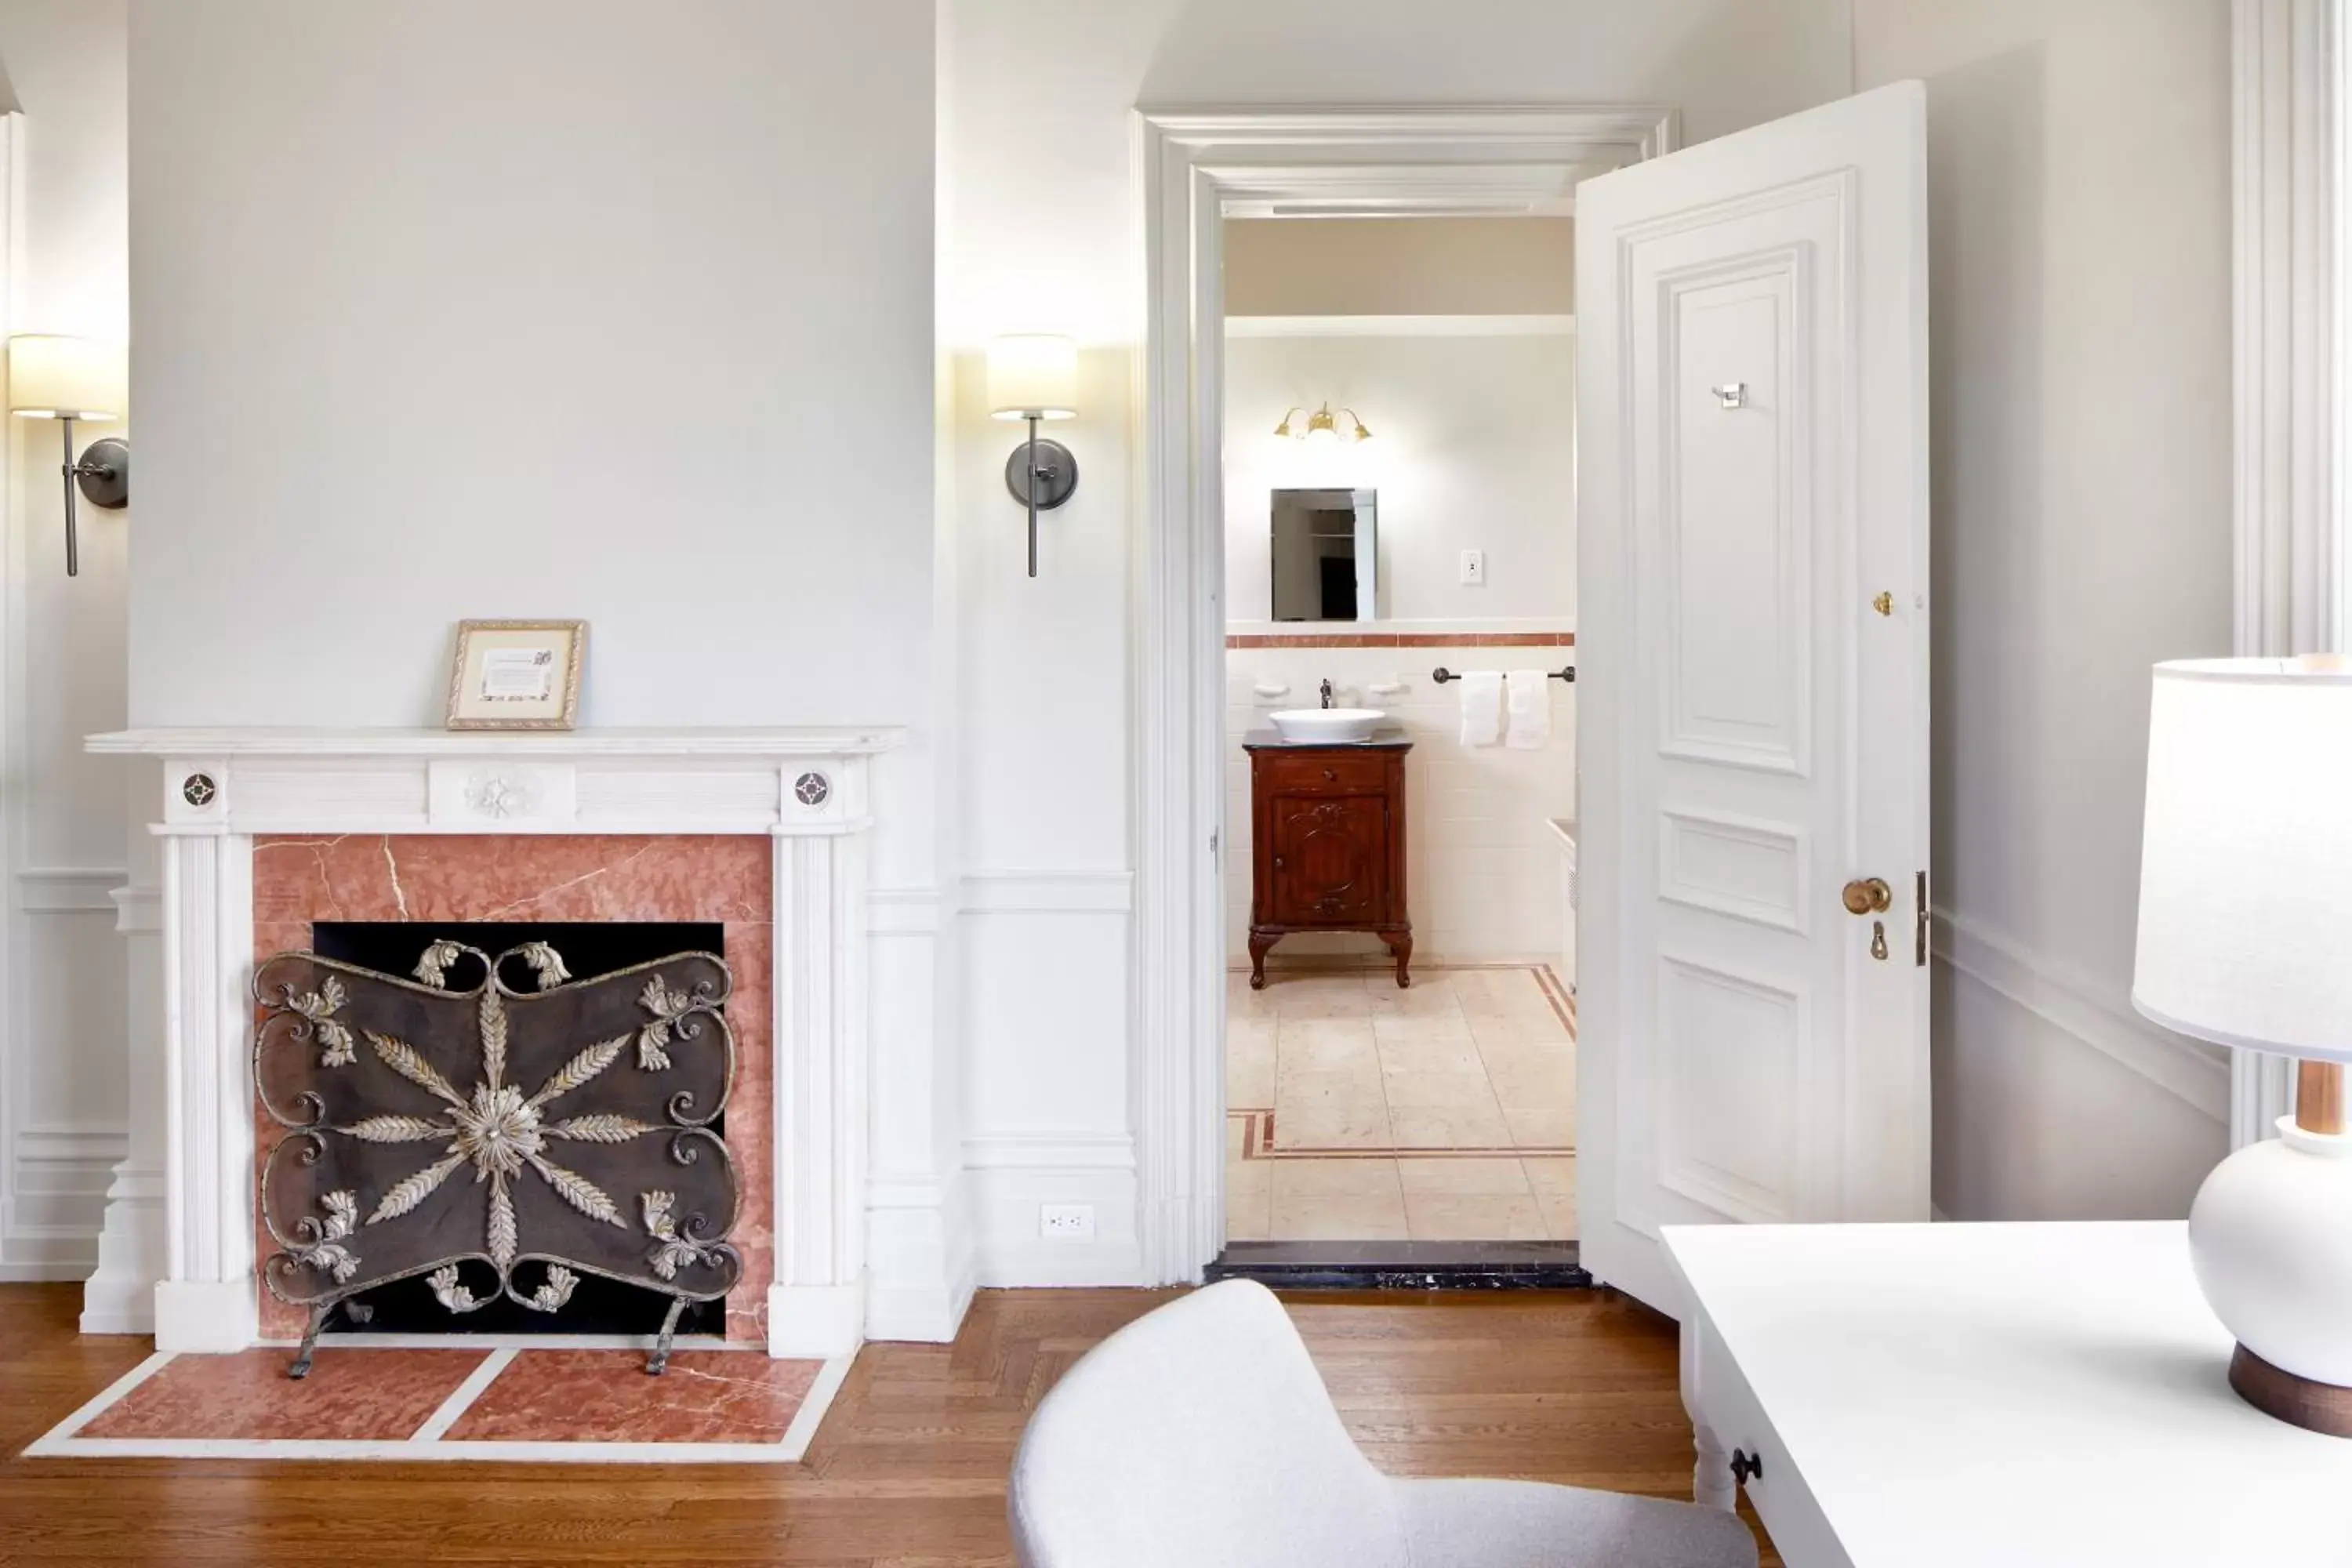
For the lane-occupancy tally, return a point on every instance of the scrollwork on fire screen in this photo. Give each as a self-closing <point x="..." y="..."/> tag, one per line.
<point x="499" y="1140"/>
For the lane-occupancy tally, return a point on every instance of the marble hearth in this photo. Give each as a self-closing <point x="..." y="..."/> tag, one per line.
<point x="266" y="832"/>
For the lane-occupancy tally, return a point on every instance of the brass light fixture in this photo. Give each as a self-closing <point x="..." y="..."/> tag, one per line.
<point x="1322" y="423"/>
<point x="66" y="379"/>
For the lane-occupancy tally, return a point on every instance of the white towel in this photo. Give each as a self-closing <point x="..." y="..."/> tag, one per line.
<point x="1482" y="707"/>
<point x="1526" y="695"/>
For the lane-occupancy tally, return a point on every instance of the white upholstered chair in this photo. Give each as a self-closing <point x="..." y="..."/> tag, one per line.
<point x="1200" y="1436"/>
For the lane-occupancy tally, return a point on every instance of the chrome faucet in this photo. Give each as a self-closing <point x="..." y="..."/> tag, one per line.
<point x="1327" y="694"/>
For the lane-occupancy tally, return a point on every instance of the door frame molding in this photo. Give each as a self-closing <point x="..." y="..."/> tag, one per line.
<point x="2289" y="278"/>
<point x="1190" y="167"/>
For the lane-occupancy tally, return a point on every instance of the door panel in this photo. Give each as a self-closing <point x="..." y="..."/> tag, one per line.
<point x="1752" y="477"/>
<point x="1330" y="859"/>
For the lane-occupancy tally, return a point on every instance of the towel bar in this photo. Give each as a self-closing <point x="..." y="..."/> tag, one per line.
<point x="1442" y="675"/>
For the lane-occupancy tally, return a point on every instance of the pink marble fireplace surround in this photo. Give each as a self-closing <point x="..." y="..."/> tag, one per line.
<point x="723" y="878"/>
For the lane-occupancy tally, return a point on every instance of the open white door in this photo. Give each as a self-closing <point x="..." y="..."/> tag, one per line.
<point x="1752" y="681"/>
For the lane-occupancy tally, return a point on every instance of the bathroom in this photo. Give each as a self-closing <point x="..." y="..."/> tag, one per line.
<point x="1399" y="472"/>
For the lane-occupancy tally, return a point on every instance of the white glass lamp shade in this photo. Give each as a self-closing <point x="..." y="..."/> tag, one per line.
<point x="2245" y="887"/>
<point x="53" y="377"/>
<point x="1033" y="376"/>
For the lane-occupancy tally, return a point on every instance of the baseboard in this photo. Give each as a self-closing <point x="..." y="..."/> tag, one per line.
<point x="2076" y="1006"/>
<point x="815" y="1323"/>
<point x="920" y="1272"/>
<point x="1009" y="1179"/>
<point x="206" y="1316"/>
<point x="1052" y="1265"/>
<point x="930" y="1314"/>
<point x="56" y="1199"/>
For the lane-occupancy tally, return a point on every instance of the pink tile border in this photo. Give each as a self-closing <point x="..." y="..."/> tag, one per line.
<point x="553" y="1402"/>
<point x="364" y="1395"/>
<point x="604" y="1396"/>
<point x="1401" y="639"/>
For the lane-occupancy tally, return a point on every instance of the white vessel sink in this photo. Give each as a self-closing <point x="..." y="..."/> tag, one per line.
<point x="1327" y="724"/>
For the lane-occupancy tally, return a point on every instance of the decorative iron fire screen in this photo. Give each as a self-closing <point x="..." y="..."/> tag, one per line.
<point x="582" y="1112"/>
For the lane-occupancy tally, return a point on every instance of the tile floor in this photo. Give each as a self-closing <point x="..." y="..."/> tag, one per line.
<point x="1360" y="1112"/>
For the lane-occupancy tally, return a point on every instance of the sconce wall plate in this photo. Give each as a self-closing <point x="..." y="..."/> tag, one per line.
<point x="104" y="473"/>
<point x="1053" y="476"/>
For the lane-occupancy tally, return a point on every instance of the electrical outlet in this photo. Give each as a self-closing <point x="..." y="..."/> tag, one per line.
<point x="1474" y="567"/>
<point x="1066" y="1222"/>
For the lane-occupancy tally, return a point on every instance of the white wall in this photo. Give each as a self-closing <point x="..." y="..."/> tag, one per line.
<point x="561" y="308"/>
<point x="1042" y="240"/>
<point x="1401" y="267"/>
<point x="63" y="1097"/>
<point x="1472" y="447"/>
<point x="2079" y="215"/>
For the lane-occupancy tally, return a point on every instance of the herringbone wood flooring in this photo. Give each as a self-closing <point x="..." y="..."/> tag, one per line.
<point x="908" y="1470"/>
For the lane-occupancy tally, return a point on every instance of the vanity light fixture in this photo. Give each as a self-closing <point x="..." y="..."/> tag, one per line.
<point x="1323" y="425"/>
<point x="1035" y="376"/>
<point x="66" y="379"/>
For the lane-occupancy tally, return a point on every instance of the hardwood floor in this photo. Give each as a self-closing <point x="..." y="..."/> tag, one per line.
<point x="909" y="1469"/>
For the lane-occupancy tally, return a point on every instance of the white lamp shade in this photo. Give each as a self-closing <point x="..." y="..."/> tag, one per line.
<point x="2245" y="882"/>
<point x="1032" y="376"/>
<point x="52" y="377"/>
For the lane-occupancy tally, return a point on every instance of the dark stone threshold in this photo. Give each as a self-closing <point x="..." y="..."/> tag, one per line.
<point x="1404" y="1265"/>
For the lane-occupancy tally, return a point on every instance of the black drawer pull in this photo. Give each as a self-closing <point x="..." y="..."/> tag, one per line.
<point x="1746" y="1467"/>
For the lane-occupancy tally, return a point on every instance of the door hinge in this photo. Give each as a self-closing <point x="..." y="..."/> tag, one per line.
<point x="1919" y="953"/>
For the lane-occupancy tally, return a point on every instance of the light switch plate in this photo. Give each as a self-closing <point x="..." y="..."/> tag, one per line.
<point x="1474" y="567"/>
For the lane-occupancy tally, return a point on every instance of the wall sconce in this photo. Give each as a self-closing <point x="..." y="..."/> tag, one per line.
<point x="1033" y="377"/>
<point x="66" y="379"/>
<point x="1322" y="425"/>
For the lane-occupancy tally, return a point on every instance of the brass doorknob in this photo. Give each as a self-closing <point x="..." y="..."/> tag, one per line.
<point x="1868" y="896"/>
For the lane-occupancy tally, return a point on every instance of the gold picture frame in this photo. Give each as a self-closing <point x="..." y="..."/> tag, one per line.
<point x="516" y="674"/>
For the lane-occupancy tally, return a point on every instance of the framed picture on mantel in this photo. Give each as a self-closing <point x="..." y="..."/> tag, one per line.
<point x="517" y="675"/>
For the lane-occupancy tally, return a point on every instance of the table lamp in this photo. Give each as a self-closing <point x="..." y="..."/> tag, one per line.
<point x="2245" y="939"/>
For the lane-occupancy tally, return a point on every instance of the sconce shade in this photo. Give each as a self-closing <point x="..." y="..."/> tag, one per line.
<point x="54" y="377"/>
<point x="1033" y="376"/>
<point x="2245" y="883"/>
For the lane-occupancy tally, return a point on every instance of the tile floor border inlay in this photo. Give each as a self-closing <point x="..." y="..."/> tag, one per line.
<point x="1359" y="1111"/>
<point x="767" y="1416"/>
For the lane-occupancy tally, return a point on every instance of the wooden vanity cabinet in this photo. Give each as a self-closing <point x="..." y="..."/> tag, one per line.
<point x="1326" y="836"/>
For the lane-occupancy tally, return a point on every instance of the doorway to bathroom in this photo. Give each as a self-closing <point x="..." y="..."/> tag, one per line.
<point x="1400" y="593"/>
<point x="1750" y="704"/>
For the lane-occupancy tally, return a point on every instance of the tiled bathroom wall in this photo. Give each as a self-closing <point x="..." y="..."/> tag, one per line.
<point x="1483" y="869"/>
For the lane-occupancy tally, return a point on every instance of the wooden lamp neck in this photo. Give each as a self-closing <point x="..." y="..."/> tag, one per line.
<point x="2319" y="1096"/>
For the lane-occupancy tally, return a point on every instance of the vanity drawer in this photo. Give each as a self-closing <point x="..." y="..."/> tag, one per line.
<point x="1325" y="773"/>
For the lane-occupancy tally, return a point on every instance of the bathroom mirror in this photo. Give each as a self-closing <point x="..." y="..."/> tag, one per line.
<point x="1326" y="555"/>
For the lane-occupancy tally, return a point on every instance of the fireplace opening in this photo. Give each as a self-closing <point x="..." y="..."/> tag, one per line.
<point x="596" y="1305"/>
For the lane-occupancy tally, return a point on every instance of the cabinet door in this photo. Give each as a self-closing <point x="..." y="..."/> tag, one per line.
<point x="1330" y="859"/>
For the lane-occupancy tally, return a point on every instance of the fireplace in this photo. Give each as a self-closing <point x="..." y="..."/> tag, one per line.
<point x="578" y="1072"/>
<point x="332" y="842"/>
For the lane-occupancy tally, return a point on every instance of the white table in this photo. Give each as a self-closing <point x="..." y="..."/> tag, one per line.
<point x="1990" y="1394"/>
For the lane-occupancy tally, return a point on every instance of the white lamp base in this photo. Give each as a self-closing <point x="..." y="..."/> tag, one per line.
<point x="2271" y="1238"/>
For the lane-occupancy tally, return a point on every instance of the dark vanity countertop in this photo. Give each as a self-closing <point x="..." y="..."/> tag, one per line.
<point x="1387" y="738"/>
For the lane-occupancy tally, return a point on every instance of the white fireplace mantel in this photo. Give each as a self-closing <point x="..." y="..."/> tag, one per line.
<point x="805" y="788"/>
